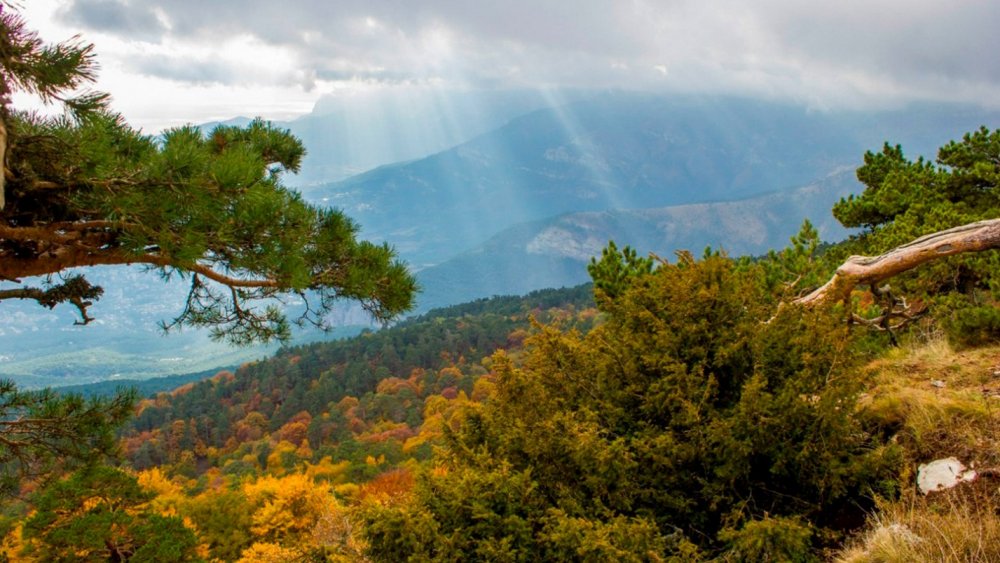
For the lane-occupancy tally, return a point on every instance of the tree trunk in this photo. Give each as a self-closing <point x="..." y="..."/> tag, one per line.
<point x="858" y="270"/>
<point x="3" y="162"/>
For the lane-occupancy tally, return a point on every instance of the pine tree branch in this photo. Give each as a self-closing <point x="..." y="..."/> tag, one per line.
<point x="86" y="189"/>
<point x="77" y="255"/>
<point x="51" y="234"/>
<point x="3" y="160"/>
<point x="73" y="289"/>
<point x="84" y="243"/>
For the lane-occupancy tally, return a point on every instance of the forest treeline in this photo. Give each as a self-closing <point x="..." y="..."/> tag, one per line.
<point x="440" y="353"/>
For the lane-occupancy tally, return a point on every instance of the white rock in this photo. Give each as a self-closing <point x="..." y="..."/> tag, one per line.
<point x="942" y="474"/>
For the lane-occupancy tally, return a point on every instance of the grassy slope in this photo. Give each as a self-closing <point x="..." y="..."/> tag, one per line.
<point x="944" y="403"/>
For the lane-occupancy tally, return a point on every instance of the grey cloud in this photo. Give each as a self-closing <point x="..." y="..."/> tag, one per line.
<point x="183" y="69"/>
<point x="116" y="16"/>
<point x="382" y="76"/>
<point x="916" y="48"/>
<point x="916" y="40"/>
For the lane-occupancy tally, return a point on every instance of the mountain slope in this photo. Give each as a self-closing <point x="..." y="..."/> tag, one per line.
<point x="554" y="252"/>
<point x="348" y="135"/>
<point x="620" y="151"/>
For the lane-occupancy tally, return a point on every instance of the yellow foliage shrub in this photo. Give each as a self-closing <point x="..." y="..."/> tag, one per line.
<point x="288" y="509"/>
<point x="269" y="553"/>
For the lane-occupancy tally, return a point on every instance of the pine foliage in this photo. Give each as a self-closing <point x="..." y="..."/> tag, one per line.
<point x="86" y="189"/>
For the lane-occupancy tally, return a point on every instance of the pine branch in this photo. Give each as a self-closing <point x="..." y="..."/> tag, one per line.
<point x="75" y="290"/>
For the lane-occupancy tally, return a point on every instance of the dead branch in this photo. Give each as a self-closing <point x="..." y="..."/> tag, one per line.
<point x="46" y="299"/>
<point x="893" y="308"/>
<point x="862" y="270"/>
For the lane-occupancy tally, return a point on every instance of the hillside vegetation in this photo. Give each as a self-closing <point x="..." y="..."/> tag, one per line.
<point x="325" y="451"/>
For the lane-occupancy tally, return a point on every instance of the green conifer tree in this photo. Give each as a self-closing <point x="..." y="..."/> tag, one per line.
<point x="102" y="514"/>
<point x="40" y="430"/>
<point x="86" y="189"/>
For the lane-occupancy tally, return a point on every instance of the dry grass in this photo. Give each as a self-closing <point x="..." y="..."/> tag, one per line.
<point x="941" y="403"/>
<point x="960" y="525"/>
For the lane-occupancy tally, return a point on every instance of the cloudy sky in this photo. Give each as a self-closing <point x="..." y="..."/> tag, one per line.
<point x="174" y="61"/>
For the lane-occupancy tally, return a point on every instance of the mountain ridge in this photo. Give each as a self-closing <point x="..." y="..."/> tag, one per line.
<point x="589" y="156"/>
<point x="554" y="252"/>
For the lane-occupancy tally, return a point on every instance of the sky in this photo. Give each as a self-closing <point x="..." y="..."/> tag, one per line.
<point x="177" y="61"/>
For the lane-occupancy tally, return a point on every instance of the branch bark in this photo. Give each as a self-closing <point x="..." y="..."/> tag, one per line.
<point x="50" y="299"/>
<point x="863" y="270"/>
<point x="3" y="162"/>
<point x="88" y="243"/>
<point x="15" y="268"/>
<point x="28" y="251"/>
